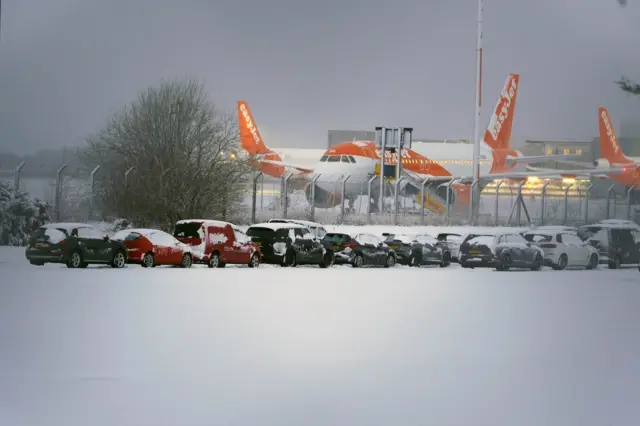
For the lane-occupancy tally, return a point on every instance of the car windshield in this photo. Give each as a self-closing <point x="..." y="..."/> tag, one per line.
<point x="484" y="240"/>
<point x="260" y="232"/>
<point x="336" y="238"/>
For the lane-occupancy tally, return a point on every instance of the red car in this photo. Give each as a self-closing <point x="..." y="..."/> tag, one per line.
<point x="216" y="243"/>
<point x="151" y="247"/>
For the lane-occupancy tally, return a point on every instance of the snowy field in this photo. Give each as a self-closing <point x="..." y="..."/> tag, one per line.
<point x="304" y="346"/>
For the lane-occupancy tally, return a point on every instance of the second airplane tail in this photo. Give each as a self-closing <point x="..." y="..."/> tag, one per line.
<point x="609" y="146"/>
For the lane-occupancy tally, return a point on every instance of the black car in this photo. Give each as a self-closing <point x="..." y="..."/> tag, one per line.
<point x="617" y="244"/>
<point x="290" y="244"/>
<point x="501" y="251"/>
<point x="76" y="245"/>
<point x="360" y="250"/>
<point x="416" y="250"/>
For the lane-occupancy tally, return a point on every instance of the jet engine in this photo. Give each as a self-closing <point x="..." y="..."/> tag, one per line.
<point x="323" y="199"/>
<point x="602" y="163"/>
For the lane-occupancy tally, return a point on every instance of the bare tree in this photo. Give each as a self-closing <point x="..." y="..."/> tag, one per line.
<point x="628" y="86"/>
<point x="181" y="153"/>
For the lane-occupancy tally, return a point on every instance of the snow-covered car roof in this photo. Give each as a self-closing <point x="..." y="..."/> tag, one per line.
<point x="300" y="222"/>
<point x="405" y="238"/>
<point x="612" y="225"/>
<point x="67" y="226"/>
<point x="277" y="225"/>
<point x="217" y="223"/>
<point x="545" y="232"/>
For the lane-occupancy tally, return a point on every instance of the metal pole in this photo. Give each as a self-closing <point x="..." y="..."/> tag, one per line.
<point x="424" y="184"/>
<point x="344" y="192"/>
<point x="586" y="204"/>
<point x="58" y="192"/>
<point x="609" y="191"/>
<point x="566" y="203"/>
<point x="629" y="195"/>
<point x="495" y="213"/>
<point x="383" y="138"/>
<point x="397" y="200"/>
<point x="16" y="179"/>
<point x="519" y="202"/>
<point x="543" y="197"/>
<point x="92" y="185"/>
<point x="254" y="196"/>
<point x="312" y="210"/>
<point x="471" y="206"/>
<point x="448" y="199"/>
<point x="285" y="185"/>
<point x="475" y="195"/>
<point x="126" y="176"/>
<point x="369" y="198"/>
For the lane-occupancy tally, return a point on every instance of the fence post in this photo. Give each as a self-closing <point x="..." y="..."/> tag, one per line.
<point x="543" y="199"/>
<point x="342" y="197"/>
<point x="448" y="200"/>
<point x="16" y="178"/>
<point x="586" y="204"/>
<point x="471" y="206"/>
<point x="312" y="209"/>
<point x="424" y="184"/>
<point x="371" y="179"/>
<point x="519" y="201"/>
<point x="92" y="185"/>
<point x="58" y="192"/>
<point x="254" y="196"/>
<point x="629" y="195"/>
<point x="566" y="203"/>
<point x="495" y="213"/>
<point x="609" y="192"/>
<point x="285" y="186"/>
<point x="396" y="200"/>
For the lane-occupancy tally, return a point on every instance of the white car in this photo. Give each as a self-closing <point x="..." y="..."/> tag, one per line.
<point x="564" y="249"/>
<point x="453" y="242"/>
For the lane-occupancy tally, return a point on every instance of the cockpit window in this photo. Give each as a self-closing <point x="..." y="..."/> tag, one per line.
<point x="323" y="158"/>
<point x="344" y="159"/>
<point x="353" y="160"/>
<point x="334" y="159"/>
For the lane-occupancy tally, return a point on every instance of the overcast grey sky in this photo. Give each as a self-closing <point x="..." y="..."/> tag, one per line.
<point x="307" y="66"/>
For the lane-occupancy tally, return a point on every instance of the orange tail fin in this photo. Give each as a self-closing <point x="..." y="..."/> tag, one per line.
<point x="249" y="134"/>
<point x="498" y="132"/>
<point x="609" y="146"/>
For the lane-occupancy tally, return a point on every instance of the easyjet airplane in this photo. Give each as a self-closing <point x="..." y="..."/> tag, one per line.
<point x="357" y="160"/>
<point x="612" y="155"/>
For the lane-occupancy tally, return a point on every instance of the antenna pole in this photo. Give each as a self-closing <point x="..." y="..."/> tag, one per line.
<point x="475" y="188"/>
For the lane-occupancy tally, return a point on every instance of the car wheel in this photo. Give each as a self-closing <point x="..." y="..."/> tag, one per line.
<point x="391" y="261"/>
<point x="214" y="260"/>
<point x="562" y="263"/>
<point x="537" y="263"/>
<point x="186" y="261"/>
<point x="75" y="260"/>
<point x="119" y="260"/>
<point x="327" y="260"/>
<point x="593" y="262"/>
<point x="148" y="261"/>
<point x="505" y="263"/>
<point x="289" y="260"/>
<point x="446" y="260"/>
<point x="255" y="261"/>
<point x="358" y="261"/>
<point x="615" y="263"/>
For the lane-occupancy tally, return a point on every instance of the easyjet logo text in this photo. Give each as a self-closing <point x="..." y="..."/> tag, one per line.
<point x="610" y="133"/>
<point x="501" y="113"/>
<point x="249" y="122"/>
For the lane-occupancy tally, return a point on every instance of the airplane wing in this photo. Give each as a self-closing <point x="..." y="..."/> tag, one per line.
<point x="287" y="165"/>
<point x="541" y="158"/>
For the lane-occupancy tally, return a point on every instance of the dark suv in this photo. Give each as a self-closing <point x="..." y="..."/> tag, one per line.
<point x="290" y="244"/>
<point x="617" y="244"/>
<point x="76" y="245"/>
<point x="502" y="250"/>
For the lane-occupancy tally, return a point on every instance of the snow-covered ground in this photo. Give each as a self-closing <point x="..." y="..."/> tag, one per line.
<point x="305" y="346"/>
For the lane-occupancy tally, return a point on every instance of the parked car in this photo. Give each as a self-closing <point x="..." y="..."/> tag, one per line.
<point x="564" y="249"/>
<point x="316" y="229"/>
<point x="502" y="251"/>
<point x="217" y="243"/>
<point x="152" y="247"/>
<point x="360" y="250"/>
<point x="290" y="244"/>
<point x="617" y="243"/>
<point x="76" y="245"/>
<point x="416" y="250"/>
<point x="453" y="242"/>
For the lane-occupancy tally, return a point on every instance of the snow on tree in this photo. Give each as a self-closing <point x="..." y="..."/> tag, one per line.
<point x="19" y="216"/>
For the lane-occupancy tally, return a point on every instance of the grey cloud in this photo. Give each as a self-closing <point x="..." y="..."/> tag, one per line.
<point x="305" y="67"/>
